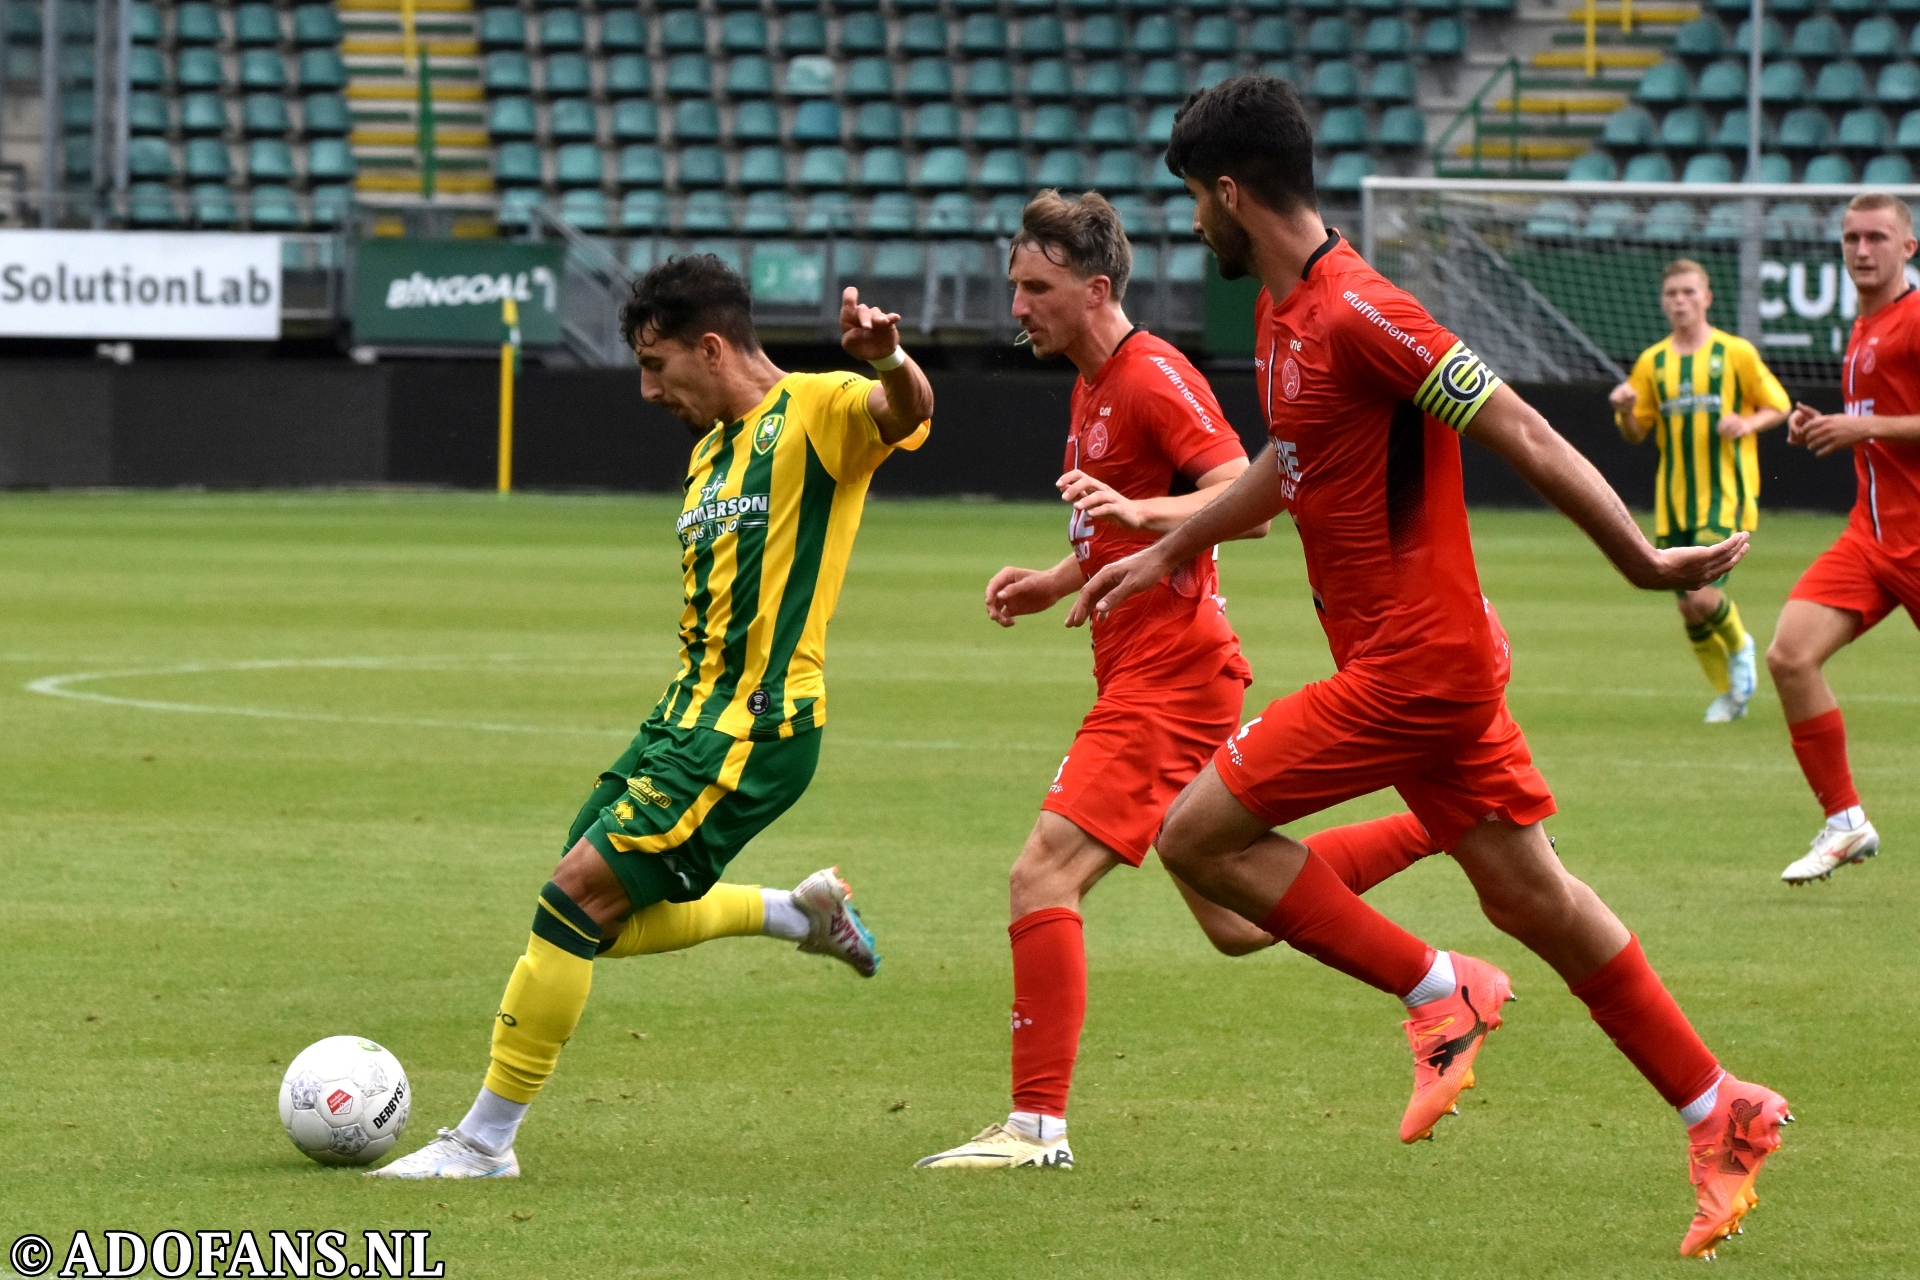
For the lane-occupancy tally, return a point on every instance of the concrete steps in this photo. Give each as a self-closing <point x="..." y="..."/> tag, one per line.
<point x="383" y="93"/>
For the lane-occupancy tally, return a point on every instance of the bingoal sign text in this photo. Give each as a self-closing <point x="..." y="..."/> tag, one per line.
<point x="139" y="284"/>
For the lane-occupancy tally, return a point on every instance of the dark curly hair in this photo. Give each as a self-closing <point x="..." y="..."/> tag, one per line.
<point x="1253" y="129"/>
<point x="687" y="296"/>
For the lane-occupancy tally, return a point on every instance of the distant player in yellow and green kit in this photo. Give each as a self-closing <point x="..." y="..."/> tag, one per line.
<point x="1705" y="395"/>
<point x="773" y="498"/>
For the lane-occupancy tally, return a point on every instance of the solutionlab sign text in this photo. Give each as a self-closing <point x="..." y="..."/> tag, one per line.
<point x="139" y="284"/>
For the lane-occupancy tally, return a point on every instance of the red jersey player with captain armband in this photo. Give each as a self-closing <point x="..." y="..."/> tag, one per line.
<point x="1168" y="664"/>
<point x="1366" y="397"/>
<point x="1875" y="566"/>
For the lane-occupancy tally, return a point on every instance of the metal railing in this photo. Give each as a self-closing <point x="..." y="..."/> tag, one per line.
<point x="1480" y="120"/>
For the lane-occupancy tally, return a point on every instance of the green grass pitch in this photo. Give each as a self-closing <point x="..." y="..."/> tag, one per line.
<point x="341" y="740"/>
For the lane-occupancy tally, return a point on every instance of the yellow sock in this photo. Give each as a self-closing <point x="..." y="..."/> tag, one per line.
<point x="1725" y="622"/>
<point x="1707" y="647"/>
<point x="544" y="997"/>
<point x="728" y="911"/>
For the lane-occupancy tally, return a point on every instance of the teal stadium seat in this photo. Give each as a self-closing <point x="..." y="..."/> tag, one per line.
<point x="1042" y="37"/>
<point x="899" y="260"/>
<point x="1840" y="84"/>
<point x="584" y="209"/>
<point x="201" y="68"/>
<point x="562" y="31"/>
<point x="937" y="122"/>
<point x="1664" y="84"/>
<point x="1112" y="125"/>
<point x="1000" y="216"/>
<point x="819" y="120"/>
<point x="1162" y="180"/>
<point x="143" y="24"/>
<point x="212" y="207"/>
<point x="823" y="168"/>
<point x="942" y="169"/>
<point x="689" y="75"/>
<point x="1669" y="222"/>
<point x="743" y="33"/>
<point x="862" y="33"/>
<point x="1609" y="220"/>
<point x="1553" y="220"/>
<point x="264" y="69"/>
<point x="1792" y="220"/>
<point x="1387" y="38"/>
<point x="1684" y="129"/>
<point x="330" y="160"/>
<point x="1836" y="170"/>
<point x="882" y="169"/>
<point x="1341" y="129"/>
<point x="1817" y="38"/>
<point x="1155" y="36"/>
<point x="1630" y="128"/>
<point x="1648" y="167"/>
<point x="983" y="33"/>
<point x="928" y="78"/>
<point x="1887" y="171"/>
<point x="924" y="33"/>
<point x="1782" y="83"/>
<point x="1330" y="37"/>
<point x="828" y="211"/>
<point x="696" y="120"/>
<point x="762" y="168"/>
<point x="1444" y="37"/>
<point x="1215" y="36"/>
<point x="1864" y="129"/>
<point x="891" y="213"/>
<point x="269" y="160"/>
<point x="1004" y="169"/>
<point x="641" y="165"/>
<point x="869" y="78"/>
<point x="507" y="118"/>
<point x="1137" y="218"/>
<point x="1054" y="125"/>
<point x="204" y="113"/>
<point x="1593" y="166"/>
<point x="949" y="213"/>
<point x="1776" y="169"/>
<point x="683" y="31"/>
<point x="1732" y="134"/>
<point x="151" y="205"/>
<point x="803" y="33"/>
<point x="517" y="206"/>
<point x="319" y="69"/>
<point x="195" y="22"/>
<point x="1270" y="37"/>
<point x="1725" y="221"/>
<point x="1334" y="81"/>
<point x="621" y="31"/>
<point x="1875" y="40"/>
<point x="1101" y="35"/>
<point x="274" y="208"/>
<point x="1906" y="134"/>
<point x="502" y="29"/>
<point x="749" y="76"/>
<point x="1805" y="129"/>
<point x="1163" y="79"/>
<point x="146" y="69"/>
<point x="255" y="26"/>
<point x="1913" y="42"/>
<point x="629" y="75"/>
<point x="573" y="120"/>
<point x="1100" y="81"/>
<point x="1346" y="171"/>
<point x="516" y="164"/>
<point x="1062" y="167"/>
<point x="206" y="160"/>
<point x="1722" y="83"/>
<point x="1159" y="130"/>
<point x="1177" y="213"/>
<point x="988" y="79"/>
<point x="1390" y="82"/>
<point x="316" y="26"/>
<point x="1773" y="38"/>
<point x="635" y="120"/>
<point x="1898" y="85"/>
<point x="1708" y="167"/>
<point x="1402" y="128"/>
<point x="700" y="167"/>
<point x="1049" y="80"/>
<point x="147" y="113"/>
<point x="1701" y="38"/>
<point x="707" y="213"/>
<point x="767" y="214"/>
<point x="756" y="120"/>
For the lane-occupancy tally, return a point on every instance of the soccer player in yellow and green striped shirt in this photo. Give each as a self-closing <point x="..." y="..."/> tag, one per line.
<point x="1704" y="395"/>
<point x="772" y="501"/>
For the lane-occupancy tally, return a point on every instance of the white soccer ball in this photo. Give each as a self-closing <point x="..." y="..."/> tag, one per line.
<point x="345" y="1100"/>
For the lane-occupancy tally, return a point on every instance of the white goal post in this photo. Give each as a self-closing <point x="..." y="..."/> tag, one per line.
<point x="1553" y="281"/>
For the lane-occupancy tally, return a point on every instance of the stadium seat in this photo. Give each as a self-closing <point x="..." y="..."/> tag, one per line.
<point x="936" y="122"/>
<point x="1722" y="83"/>
<point x="828" y="211"/>
<point x="1282" y="69"/>
<point x="274" y="207"/>
<point x="1732" y="134"/>
<point x="585" y="209"/>
<point x="898" y="260"/>
<point x="1270" y="37"/>
<point x="516" y="164"/>
<point x="1215" y="36"/>
<point x="1102" y="80"/>
<point x="1159" y="130"/>
<point x="1906" y="134"/>
<point x="332" y="206"/>
<point x="891" y="212"/>
<point x="502" y="29"/>
<point x="1648" y="167"/>
<point x="749" y="76"/>
<point x="924" y="33"/>
<point x="325" y="115"/>
<point x="928" y="78"/>
<point x="1792" y="220"/>
<point x="803" y="33"/>
<point x="1864" y="129"/>
<point x="146" y="69"/>
<point x="989" y="79"/>
<point x="1773" y="38"/>
<point x="696" y="120"/>
<point x="1329" y="37"/>
<point x="1782" y="82"/>
<point x="635" y="120"/>
<point x="767" y="213"/>
<point x="318" y="69"/>
<point x="1913" y="42"/>
<point x="1048" y="80"/>
<point x="201" y="69"/>
<point x="1609" y="220"/>
<point x="1137" y="218"/>
<point x="809" y="76"/>
<point x="949" y="213"/>
<point x="1887" y="171"/>
<point x="1177" y="213"/>
<point x="316" y="26"/>
<point x="1775" y="168"/>
<point x="1402" y="128"/>
<point x="629" y="75"/>
<point x="1062" y="167"/>
<point x="1684" y="129"/>
<point x="1875" y="40"/>
<point x="517" y="206"/>
<point x="562" y="31"/>
<point x="147" y="113"/>
<point x="621" y="31"/>
<point x="1444" y="38"/>
<point x="1387" y="38"/>
<point x="330" y="160"/>
<point x="689" y="75"/>
<point x="1669" y="222"/>
<point x="1708" y="167"/>
<point x="269" y="160"/>
<point x="683" y="31"/>
<point x="143" y="24"/>
<point x="573" y="120"/>
<point x="698" y="167"/>
<point x="1004" y="169"/>
<point x="1042" y="37"/>
<point x="1341" y="129"/>
<point x="983" y="33"/>
<point x="1898" y="84"/>
<point x="756" y="120"/>
<point x="882" y="169"/>
<point x="1390" y="82"/>
<point x="641" y="165"/>
<point x="1828" y="169"/>
<point x="1725" y="221"/>
<point x="868" y="78"/>
<point x="1155" y="36"/>
<point x="507" y="118"/>
<point x="206" y="160"/>
<point x="206" y="113"/>
<point x="508" y="71"/>
<point x="1054" y="124"/>
<point x="1630" y="128"/>
<point x="1001" y="215"/>
<point x="1593" y="166"/>
<point x="819" y="120"/>
<point x="1112" y="125"/>
<point x="739" y="32"/>
<point x="762" y="167"/>
<point x="1818" y="38"/>
<point x="706" y="212"/>
<point x="1840" y="84"/>
<point x="1664" y="83"/>
<point x="1553" y="219"/>
<point x="1212" y="72"/>
<point x="1701" y="38"/>
<point x="195" y="22"/>
<point x="1101" y="35"/>
<point x="1334" y="81"/>
<point x="255" y="26"/>
<point x="212" y="207"/>
<point x="151" y="204"/>
<point x="942" y="169"/>
<point x="1163" y="79"/>
<point x="1347" y="169"/>
<point x="1805" y="129"/>
<point x="824" y="168"/>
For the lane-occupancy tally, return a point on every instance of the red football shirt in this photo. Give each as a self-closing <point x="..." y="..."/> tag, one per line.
<point x="1363" y="393"/>
<point x="1881" y="375"/>
<point x="1147" y="416"/>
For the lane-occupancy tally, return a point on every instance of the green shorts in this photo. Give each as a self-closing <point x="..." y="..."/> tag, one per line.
<point x="680" y="803"/>
<point x="1695" y="538"/>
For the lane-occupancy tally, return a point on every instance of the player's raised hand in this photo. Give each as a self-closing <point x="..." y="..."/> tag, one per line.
<point x="1826" y="433"/>
<point x="1014" y="591"/>
<point x="1690" y="568"/>
<point x="1107" y="589"/>
<point x="867" y="333"/>
<point x="1099" y="501"/>
<point x="1797" y="421"/>
<point x="1623" y="398"/>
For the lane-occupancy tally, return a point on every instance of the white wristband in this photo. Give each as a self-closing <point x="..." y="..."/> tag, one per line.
<point x="890" y="361"/>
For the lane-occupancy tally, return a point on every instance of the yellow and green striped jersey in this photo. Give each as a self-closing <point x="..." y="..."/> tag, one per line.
<point x="773" y="501"/>
<point x="1706" y="482"/>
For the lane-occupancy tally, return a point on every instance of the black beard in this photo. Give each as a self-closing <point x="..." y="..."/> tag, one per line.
<point x="1232" y="248"/>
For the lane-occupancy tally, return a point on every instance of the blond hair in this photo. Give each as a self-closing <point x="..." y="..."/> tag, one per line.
<point x="1874" y="201"/>
<point x="1081" y="233"/>
<point x="1680" y="267"/>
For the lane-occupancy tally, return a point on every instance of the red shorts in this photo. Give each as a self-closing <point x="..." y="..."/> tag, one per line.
<point x="1136" y="751"/>
<point x="1859" y="575"/>
<point x="1454" y="763"/>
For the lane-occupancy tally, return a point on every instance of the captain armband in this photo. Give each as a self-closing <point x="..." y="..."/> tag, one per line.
<point x="1459" y="384"/>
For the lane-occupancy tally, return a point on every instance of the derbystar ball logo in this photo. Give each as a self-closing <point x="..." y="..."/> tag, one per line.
<point x="339" y="1102"/>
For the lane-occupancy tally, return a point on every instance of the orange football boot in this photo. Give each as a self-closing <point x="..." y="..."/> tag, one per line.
<point x="1724" y="1155"/>
<point x="1446" y="1035"/>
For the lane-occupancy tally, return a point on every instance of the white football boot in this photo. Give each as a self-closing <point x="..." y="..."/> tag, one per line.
<point x="1741" y="677"/>
<point x="998" y="1147"/>
<point x="451" y="1156"/>
<point x="1832" y="849"/>
<point x="1725" y="709"/>
<point x="837" y="929"/>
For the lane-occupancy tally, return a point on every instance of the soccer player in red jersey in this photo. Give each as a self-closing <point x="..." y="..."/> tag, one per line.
<point x="1168" y="664"/>
<point x="1876" y="563"/>
<point x="1366" y="397"/>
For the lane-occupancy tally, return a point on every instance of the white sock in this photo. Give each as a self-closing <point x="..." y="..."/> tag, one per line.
<point x="492" y="1122"/>
<point x="1847" y="819"/>
<point x="1701" y="1107"/>
<point x="1437" y="985"/>
<point x="784" y="919"/>
<point x="1036" y="1127"/>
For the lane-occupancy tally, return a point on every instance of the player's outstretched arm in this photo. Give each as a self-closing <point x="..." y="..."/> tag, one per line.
<point x="1099" y="501"/>
<point x="1013" y="591"/>
<point x="904" y="398"/>
<point x="1826" y="433"/>
<point x="1253" y="499"/>
<point x="1513" y="429"/>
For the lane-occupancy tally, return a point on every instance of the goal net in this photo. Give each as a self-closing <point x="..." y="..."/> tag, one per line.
<point x="1560" y="281"/>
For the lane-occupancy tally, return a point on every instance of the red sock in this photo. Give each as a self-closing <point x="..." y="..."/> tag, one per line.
<point x="1363" y="854"/>
<point x="1821" y="745"/>
<point x="1049" y="1004"/>
<point x="1322" y="917"/>
<point x="1634" y="1008"/>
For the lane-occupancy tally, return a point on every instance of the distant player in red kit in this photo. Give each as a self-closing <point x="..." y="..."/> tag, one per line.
<point x="1875" y="565"/>
<point x="1365" y="397"/>
<point x="1168" y="665"/>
